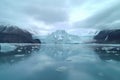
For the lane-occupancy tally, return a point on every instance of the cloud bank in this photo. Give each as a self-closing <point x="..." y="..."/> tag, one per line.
<point x="45" y="16"/>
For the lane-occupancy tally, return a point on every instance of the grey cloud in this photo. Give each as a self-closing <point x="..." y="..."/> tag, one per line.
<point x="102" y="18"/>
<point x="49" y="15"/>
<point x="82" y="2"/>
<point x="57" y="13"/>
<point x="49" y="11"/>
<point x="77" y="2"/>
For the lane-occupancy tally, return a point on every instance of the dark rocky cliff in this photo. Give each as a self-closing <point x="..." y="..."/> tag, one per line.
<point x="108" y="36"/>
<point x="13" y="34"/>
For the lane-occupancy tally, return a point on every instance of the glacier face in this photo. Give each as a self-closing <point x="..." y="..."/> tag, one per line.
<point x="61" y="36"/>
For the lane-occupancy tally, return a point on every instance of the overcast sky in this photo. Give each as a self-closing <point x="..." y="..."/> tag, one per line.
<point x="74" y="16"/>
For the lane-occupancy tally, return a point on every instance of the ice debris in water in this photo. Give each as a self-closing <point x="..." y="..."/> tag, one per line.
<point x="19" y="50"/>
<point x="19" y="55"/>
<point x="5" y="47"/>
<point x="107" y="48"/>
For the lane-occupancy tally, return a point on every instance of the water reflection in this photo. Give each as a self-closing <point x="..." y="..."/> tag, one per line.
<point x="62" y="52"/>
<point x="108" y="52"/>
<point x="17" y="52"/>
<point x="62" y="62"/>
<point x="82" y="51"/>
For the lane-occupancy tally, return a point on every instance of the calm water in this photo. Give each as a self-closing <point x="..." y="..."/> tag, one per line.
<point x="63" y="62"/>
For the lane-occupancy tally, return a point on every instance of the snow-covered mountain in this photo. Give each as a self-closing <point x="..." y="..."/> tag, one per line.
<point x="61" y="36"/>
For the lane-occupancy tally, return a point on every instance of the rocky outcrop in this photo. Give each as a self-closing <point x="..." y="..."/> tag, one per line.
<point x="108" y="36"/>
<point x="13" y="34"/>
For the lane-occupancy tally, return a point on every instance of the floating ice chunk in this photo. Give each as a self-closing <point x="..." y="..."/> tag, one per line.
<point x="19" y="50"/>
<point x="62" y="68"/>
<point x="107" y="48"/>
<point x="19" y="55"/>
<point x="118" y="48"/>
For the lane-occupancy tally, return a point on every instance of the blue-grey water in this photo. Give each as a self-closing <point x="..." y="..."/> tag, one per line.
<point x="62" y="62"/>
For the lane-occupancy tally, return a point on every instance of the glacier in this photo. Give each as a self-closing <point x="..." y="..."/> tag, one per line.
<point x="63" y="37"/>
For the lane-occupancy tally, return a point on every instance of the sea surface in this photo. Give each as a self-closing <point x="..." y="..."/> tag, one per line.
<point x="61" y="62"/>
